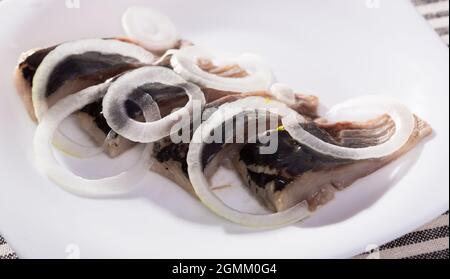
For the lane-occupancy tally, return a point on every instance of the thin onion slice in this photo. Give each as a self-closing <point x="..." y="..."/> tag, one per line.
<point x="201" y="184"/>
<point x="164" y="60"/>
<point x="150" y="28"/>
<point x="69" y="147"/>
<point x="44" y="71"/>
<point x="46" y="161"/>
<point x="400" y="114"/>
<point x="283" y="93"/>
<point x="121" y="90"/>
<point x="185" y="62"/>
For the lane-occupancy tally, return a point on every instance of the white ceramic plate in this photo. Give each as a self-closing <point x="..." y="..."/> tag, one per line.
<point x="335" y="49"/>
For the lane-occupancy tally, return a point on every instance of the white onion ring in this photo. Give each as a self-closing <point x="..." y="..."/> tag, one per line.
<point x="283" y="93"/>
<point x="65" y="50"/>
<point x="165" y="58"/>
<point x="400" y="114"/>
<point x="69" y="147"/>
<point x="116" y="115"/>
<point x="200" y="182"/>
<point x="46" y="162"/>
<point x="185" y="63"/>
<point x="150" y="28"/>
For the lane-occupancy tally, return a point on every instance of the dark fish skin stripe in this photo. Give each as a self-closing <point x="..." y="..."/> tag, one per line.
<point x="261" y="180"/>
<point x="89" y="65"/>
<point x="32" y="62"/>
<point x="417" y="237"/>
<point x="425" y="2"/>
<point x="437" y="255"/>
<point x="436" y="15"/>
<point x="95" y="110"/>
<point x="175" y="152"/>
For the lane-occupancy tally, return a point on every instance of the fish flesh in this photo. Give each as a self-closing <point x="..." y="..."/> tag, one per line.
<point x="74" y="73"/>
<point x="24" y="74"/>
<point x="295" y="173"/>
<point x="170" y="157"/>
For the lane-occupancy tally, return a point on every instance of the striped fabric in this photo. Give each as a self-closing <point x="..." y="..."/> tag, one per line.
<point x="430" y="241"/>
<point x="5" y="251"/>
<point x="436" y="12"/>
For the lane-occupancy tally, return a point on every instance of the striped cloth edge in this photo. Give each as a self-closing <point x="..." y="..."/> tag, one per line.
<point x="437" y="14"/>
<point x="5" y="251"/>
<point x="428" y="242"/>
